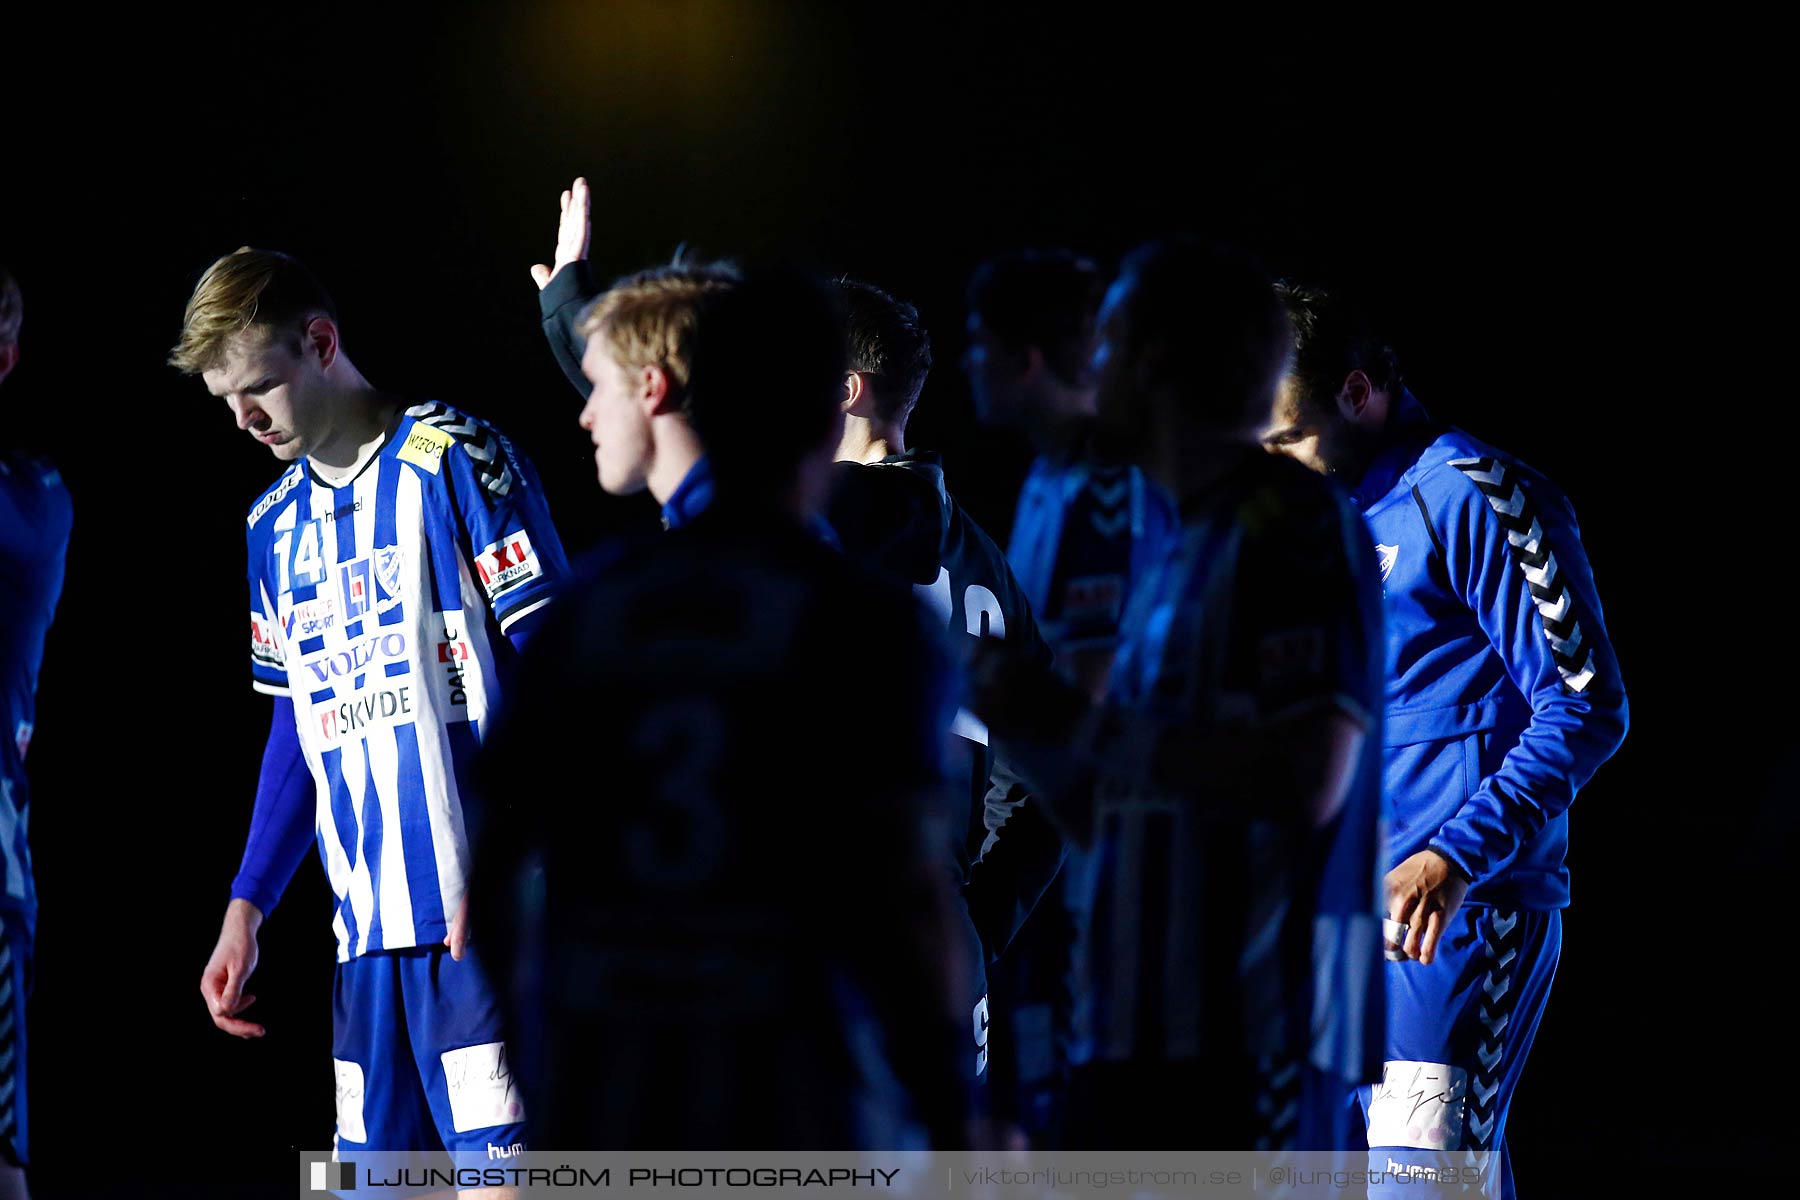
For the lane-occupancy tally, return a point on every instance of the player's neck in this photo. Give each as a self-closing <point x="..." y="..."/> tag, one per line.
<point x="1192" y="465"/>
<point x="674" y="449"/>
<point x="363" y="417"/>
<point x="867" y="441"/>
<point x="1063" y="411"/>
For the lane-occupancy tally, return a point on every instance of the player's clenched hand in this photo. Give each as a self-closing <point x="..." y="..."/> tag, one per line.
<point x="1019" y="699"/>
<point x="458" y="937"/>
<point x="1423" y="893"/>
<point x="571" y="234"/>
<point x="233" y="959"/>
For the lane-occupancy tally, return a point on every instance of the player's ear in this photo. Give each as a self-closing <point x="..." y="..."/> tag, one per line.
<point x="1034" y="363"/>
<point x="321" y="337"/>
<point x="1353" y="399"/>
<point x="855" y="389"/>
<point x="654" y="392"/>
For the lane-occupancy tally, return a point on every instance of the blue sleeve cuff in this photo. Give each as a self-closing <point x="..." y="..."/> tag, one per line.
<point x="1459" y="862"/>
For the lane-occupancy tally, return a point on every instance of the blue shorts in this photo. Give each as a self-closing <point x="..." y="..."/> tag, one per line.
<point x="421" y="1064"/>
<point x="1458" y="1032"/>
<point x="15" y="968"/>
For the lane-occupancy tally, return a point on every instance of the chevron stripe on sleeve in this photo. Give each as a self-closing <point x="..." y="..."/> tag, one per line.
<point x="482" y="443"/>
<point x="1531" y="551"/>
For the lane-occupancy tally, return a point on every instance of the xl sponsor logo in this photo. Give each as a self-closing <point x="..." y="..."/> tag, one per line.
<point x="311" y="618"/>
<point x="507" y="563"/>
<point x="1290" y="655"/>
<point x="356" y="658"/>
<point x="1099" y="596"/>
<point x="263" y="647"/>
<point x="354" y="718"/>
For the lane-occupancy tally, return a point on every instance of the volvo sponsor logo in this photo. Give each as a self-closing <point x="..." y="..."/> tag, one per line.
<point x="382" y="647"/>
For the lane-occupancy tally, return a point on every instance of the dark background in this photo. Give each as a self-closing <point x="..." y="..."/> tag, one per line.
<point x="1542" y="209"/>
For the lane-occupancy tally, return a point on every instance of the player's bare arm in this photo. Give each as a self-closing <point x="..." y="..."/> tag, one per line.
<point x="233" y="959"/>
<point x="458" y="937"/>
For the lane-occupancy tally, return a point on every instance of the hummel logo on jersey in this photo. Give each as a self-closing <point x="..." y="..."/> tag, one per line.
<point x="489" y="453"/>
<point x="1531" y="550"/>
<point x="1389" y="555"/>
<point x="507" y="563"/>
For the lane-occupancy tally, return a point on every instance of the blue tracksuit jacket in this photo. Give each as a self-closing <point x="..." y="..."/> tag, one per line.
<point x="1503" y="693"/>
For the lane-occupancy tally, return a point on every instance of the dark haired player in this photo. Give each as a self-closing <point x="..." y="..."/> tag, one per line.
<point x="1503" y="699"/>
<point x="890" y="507"/>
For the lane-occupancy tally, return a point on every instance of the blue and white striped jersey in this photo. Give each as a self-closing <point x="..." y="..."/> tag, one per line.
<point x="1209" y="932"/>
<point x="379" y="608"/>
<point x="1085" y="534"/>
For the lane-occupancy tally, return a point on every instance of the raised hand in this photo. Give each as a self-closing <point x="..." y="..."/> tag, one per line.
<point x="571" y="233"/>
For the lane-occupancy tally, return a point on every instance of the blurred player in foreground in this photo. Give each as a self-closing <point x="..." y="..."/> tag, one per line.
<point x="1228" y="785"/>
<point x="733" y="933"/>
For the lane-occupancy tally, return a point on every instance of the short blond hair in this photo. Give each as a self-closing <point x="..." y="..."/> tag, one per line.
<point x="247" y="289"/>
<point x="648" y="319"/>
